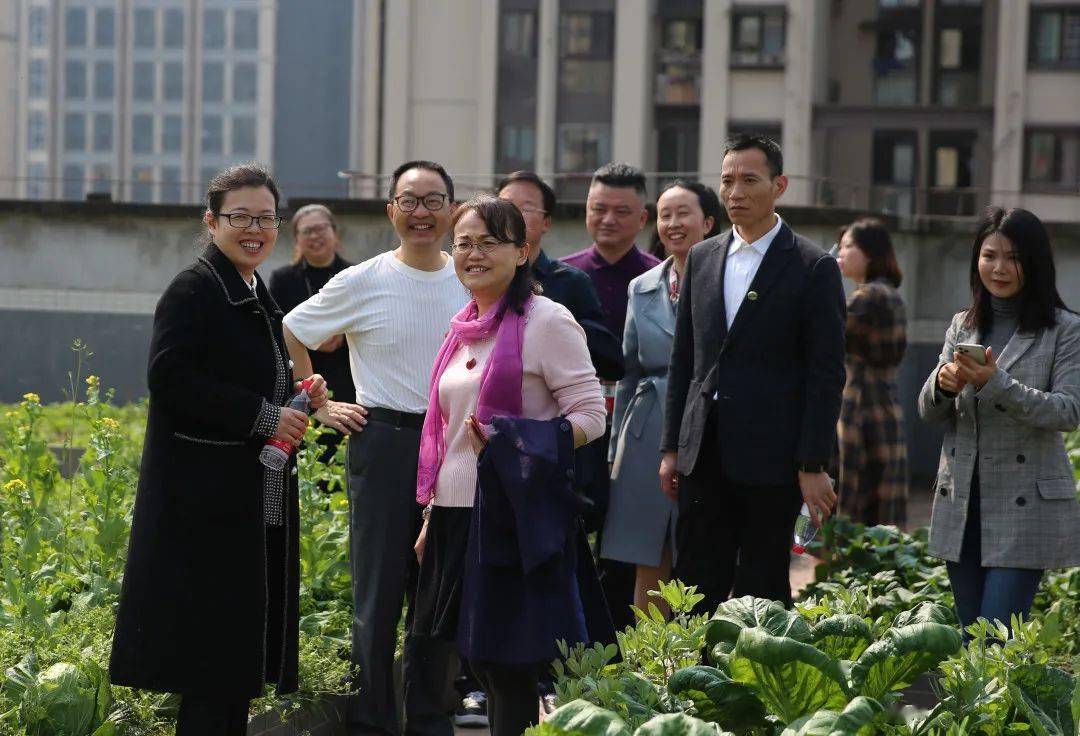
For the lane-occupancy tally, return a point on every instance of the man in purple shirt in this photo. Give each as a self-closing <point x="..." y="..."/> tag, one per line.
<point x="614" y="216"/>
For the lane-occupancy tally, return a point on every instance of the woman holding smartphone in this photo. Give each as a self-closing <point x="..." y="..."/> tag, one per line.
<point x="1005" y="502"/>
<point x="509" y="353"/>
<point x="210" y="601"/>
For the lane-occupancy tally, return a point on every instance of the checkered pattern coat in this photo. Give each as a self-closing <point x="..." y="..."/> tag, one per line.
<point x="873" y="453"/>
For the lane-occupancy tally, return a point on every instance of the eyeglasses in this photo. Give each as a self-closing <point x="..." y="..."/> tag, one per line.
<point x="532" y="211"/>
<point x="319" y="229"/>
<point x="485" y="246"/>
<point x="432" y="202"/>
<point x="242" y="221"/>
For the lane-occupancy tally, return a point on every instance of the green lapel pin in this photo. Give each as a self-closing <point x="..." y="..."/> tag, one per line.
<point x="752" y="296"/>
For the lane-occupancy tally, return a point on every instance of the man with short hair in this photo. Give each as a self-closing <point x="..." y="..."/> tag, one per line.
<point x="394" y="310"/>
<point x="615" y="215"/>
<point x="754" y="387"/>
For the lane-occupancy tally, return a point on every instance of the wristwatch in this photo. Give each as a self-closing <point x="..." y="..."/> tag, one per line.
<point x="812" y="467"/>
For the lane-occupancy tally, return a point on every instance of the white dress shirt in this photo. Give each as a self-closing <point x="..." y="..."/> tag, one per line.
<point x="741" y="265"/>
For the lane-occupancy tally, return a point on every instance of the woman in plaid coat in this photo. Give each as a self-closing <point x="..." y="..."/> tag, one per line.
<point x="873" y="453"/>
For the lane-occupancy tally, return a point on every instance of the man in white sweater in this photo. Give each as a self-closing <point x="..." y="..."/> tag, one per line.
<point x="394" y="310"/>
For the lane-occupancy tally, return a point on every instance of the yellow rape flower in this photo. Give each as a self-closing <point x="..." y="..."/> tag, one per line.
<point x="15" y="486"/>
<point x="32" y="398"/>
<point x="92" y="381"/>
<point x="109" y="424"/>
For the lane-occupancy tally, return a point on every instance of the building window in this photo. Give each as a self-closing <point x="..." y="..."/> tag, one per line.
<point x="75" y="28"/>
<point x="37" y="82"/>
<point x="213" y="82"/>
<point x="101" y="178"/>
<point x="36" y="181"/>
<point x="103" y="80"/>
<point x="36" y="132"/>
<point x="212" y="137"/>
<point x="1052" y="160"/>
<point x="243" y="136"/>
<point x="586" y="45"/>
<point x="172" y="133"/>
<point x="104" y="28"/>
<point x="206" y="173"/>
<point x="678" y="62"/>
<point x="142" y="184"/>
<point x="213" y="28"/>
<point x="758" y="38"/>
<point x="174" y="28"/>
<point x="583" y="147"/>
<point x="246" y="29"/>
<point x="145" y="28"/>
<point x="38" y="27"/>
<point x="74" y="186"/>
<point x="890" y="4"/>
<point x="74" y="132"/>
<point x="75" y="80"/>
<point x="143" y="81"/>
<point x="244" y="84"/>
<point x="1055" y="37"/>
<point x="894" y="175"/>
<point x="519" y="33"/>
<point x="173" y="82"/>
<point x="517" y="143"/>
<point x="103" y="132"/>
<point x="170" y="184"/>
<point x="142" y="133"/>
<point x="896" y="67"/>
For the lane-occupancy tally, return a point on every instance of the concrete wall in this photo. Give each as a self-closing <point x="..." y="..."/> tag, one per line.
<point x="94" y="272"/>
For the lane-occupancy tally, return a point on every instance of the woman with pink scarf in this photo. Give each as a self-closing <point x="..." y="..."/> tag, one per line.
<point x="510" y="352"/>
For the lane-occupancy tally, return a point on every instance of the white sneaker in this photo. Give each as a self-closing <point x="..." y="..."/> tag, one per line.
<point x="472" y="713"/>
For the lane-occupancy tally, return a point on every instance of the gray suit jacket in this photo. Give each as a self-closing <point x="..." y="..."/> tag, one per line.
<point x="1029" y="511"/>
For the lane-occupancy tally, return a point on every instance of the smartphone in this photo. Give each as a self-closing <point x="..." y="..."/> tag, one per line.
<point x="477" y="427"/>
<point x="973" y="351"/>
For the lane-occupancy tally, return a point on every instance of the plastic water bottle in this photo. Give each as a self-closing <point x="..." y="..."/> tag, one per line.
<point x="805" y="531"/>
<point x="275" y="453"/>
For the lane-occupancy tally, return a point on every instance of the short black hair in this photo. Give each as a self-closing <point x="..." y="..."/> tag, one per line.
<point x="872" y="238"/>
<point x="421" y="164"/>
<point x="773" y="155"/>
<point x="240" y="176"/>
<point x="504" y="221"/>
<point x="710" y="207"/>
<point x="530" y="177"/>
<point x="618" y="174"/>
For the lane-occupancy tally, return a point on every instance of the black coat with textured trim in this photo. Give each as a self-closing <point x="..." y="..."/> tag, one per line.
<point x="207" y="605"/>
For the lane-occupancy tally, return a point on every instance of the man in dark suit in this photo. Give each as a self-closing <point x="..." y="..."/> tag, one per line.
<point x="756" y="376"/>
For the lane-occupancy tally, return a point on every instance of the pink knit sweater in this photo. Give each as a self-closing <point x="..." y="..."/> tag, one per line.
<point x="558" y="380"/>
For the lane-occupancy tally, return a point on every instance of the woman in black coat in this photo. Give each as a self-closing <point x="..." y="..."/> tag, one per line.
<point x="209" y="604"/>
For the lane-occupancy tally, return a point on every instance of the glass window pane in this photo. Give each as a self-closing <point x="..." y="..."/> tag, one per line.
<point x="1047" y="37"/>
<point x="101" y="178"/>
<point x="104" y="28"/>
<point x="243" y="136"/>
<point x="519" y="33"/>
<point x="74" y="186"/>
<point x="585" y="77"/>
<point x="1070" y="159"/>
<point x="214" y="28"/>
<point x="211" y="134"/>
<point x="37" y="83"/>
<point x="174" y="80"/>
<point x="142" y="133"/>
<point x="103" y="80"/>
<point x="170" y="184"/>
<point x="36" y="131"/>
<point x="142" y="184"/>
<point x="103" y="131"/>
<point x="75" y="27"/>
<point x="213" y="82"/>
<point x="245" y="29"/>
<point x="1040" y="159"/>
<point x="75" y="80"/>
<point x="583" y="146"/>
<point x="244" y="83"/>
<point x="36" y="180"/>
<point x="950" y="47"/>
<point x="774" y="39"/>
<point x="38" y="27"/>
<point x="1070" y="50"/>
<point x="946" y="167"/>
<point x="145" y="29"/>
<point x="903" y="164"/>
<point x="74" y="132"/>
<point x="748" y="32"/>
<point x="171" y="133"/>
<point x="174" y="28"/>
<point x="143" y="82"/>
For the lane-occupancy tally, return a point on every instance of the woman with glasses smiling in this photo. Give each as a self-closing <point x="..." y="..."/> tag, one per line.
<point x="209" y="604"/>
<point x="510" y="353"/>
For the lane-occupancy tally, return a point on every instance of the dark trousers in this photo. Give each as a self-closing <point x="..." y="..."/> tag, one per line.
<point x="734" y="539"/>
<point x="384" y="523"/>
<point x="994" y="593"/>
<point x="513" y="705"/>
<point x="202" y="715"/>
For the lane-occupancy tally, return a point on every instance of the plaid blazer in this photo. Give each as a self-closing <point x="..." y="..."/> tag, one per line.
<point x="1011" y="427"/>
<point x="873" y="452"/>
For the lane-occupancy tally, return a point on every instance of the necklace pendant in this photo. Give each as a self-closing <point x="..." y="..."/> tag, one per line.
<point x="470" y="364"/>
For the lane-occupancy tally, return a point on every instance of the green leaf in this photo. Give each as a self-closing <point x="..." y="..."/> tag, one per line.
<point x="718" y="698"/>
<point x="1076" y="705"/>
<point x="791" y="678"/>
<point x="18" y="678"/>
<point x="1044" y="695"/>
<point x="584" y="718"/>
<point x="894" y="661"/>
<point x="748" y="612"/>
<point x="845" y="636"/>
<point x="679" y="724"/>
<point x="927" y="612"/>
<point x="857" y="719"/>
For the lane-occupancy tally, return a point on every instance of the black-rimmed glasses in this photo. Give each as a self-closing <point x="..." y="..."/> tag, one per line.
<point x="432" y="202"/>
<point x="242" y="221"/>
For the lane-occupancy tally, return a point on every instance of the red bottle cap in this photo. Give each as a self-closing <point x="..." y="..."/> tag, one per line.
<point x="798" y="549"/>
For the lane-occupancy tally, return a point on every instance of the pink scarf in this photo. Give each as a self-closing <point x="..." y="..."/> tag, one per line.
<point x="500" y="383"/>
